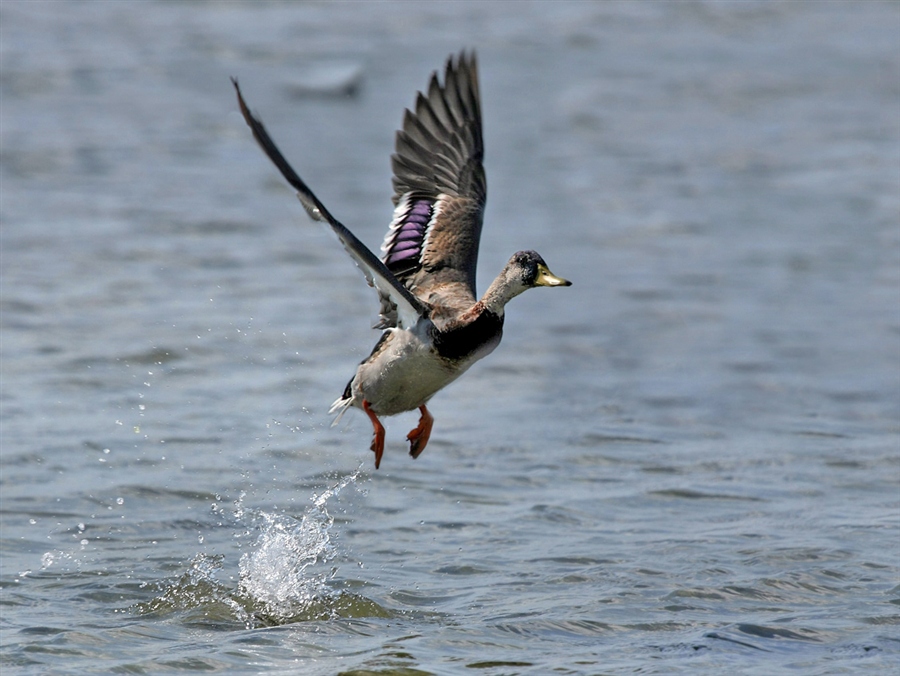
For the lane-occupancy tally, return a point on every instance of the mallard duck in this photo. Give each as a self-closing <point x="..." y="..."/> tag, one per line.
<point x="433" y="325"/>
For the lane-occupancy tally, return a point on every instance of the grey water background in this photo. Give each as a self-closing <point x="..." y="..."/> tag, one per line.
<point x="688" y="462"/>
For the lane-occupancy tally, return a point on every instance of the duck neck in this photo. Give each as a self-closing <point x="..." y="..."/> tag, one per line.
<point x="498" y="294"/>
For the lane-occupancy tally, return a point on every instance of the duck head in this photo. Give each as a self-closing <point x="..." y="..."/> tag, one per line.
<point x="525" y="270"/>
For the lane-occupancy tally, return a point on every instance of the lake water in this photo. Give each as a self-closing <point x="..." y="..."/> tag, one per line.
<point x="688" y="462"/>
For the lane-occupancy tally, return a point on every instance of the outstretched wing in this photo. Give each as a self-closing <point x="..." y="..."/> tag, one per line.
<point x="439" y="188"/>
<point x="399" y="306"/>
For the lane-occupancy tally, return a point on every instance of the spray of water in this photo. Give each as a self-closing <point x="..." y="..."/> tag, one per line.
<point x="286" y="571"/>
<point x="283" y="576"/>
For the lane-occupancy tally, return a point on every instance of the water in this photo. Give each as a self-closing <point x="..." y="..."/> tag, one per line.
<point x="688" y="462"/>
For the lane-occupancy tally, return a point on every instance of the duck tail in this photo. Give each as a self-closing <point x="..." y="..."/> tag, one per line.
<point x="340" y="407"/>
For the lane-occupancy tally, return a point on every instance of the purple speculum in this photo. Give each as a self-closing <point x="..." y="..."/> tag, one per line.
<point x="407" y="242"/>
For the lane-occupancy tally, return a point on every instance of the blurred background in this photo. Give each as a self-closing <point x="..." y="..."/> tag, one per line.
<point x="686" y="462"/>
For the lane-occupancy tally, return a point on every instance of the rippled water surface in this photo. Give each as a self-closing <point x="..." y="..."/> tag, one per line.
<point x="688" y="462"/>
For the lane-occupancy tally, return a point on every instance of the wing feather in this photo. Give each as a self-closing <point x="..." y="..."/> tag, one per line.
<point x="399" y="307"/>
<point x="438" y="169"/>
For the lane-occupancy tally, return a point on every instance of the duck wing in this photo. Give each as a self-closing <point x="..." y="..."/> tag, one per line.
<point x="439" y="188"/>
<point x="399" y="307"/>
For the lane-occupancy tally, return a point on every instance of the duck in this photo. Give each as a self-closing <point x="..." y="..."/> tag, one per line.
<point x="434" y="326"/>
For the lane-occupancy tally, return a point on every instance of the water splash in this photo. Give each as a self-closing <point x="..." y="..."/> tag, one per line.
<point x="287" y="569"/>
<point x="283" y="576"/>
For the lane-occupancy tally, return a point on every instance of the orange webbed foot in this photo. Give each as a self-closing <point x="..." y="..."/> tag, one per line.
<point x="378" y="438"/>
<point x="418" y="438"/>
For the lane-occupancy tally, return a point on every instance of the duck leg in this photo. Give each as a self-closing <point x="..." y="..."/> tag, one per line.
<point x="378" y="438"/>
<point x="418" y="438"/>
